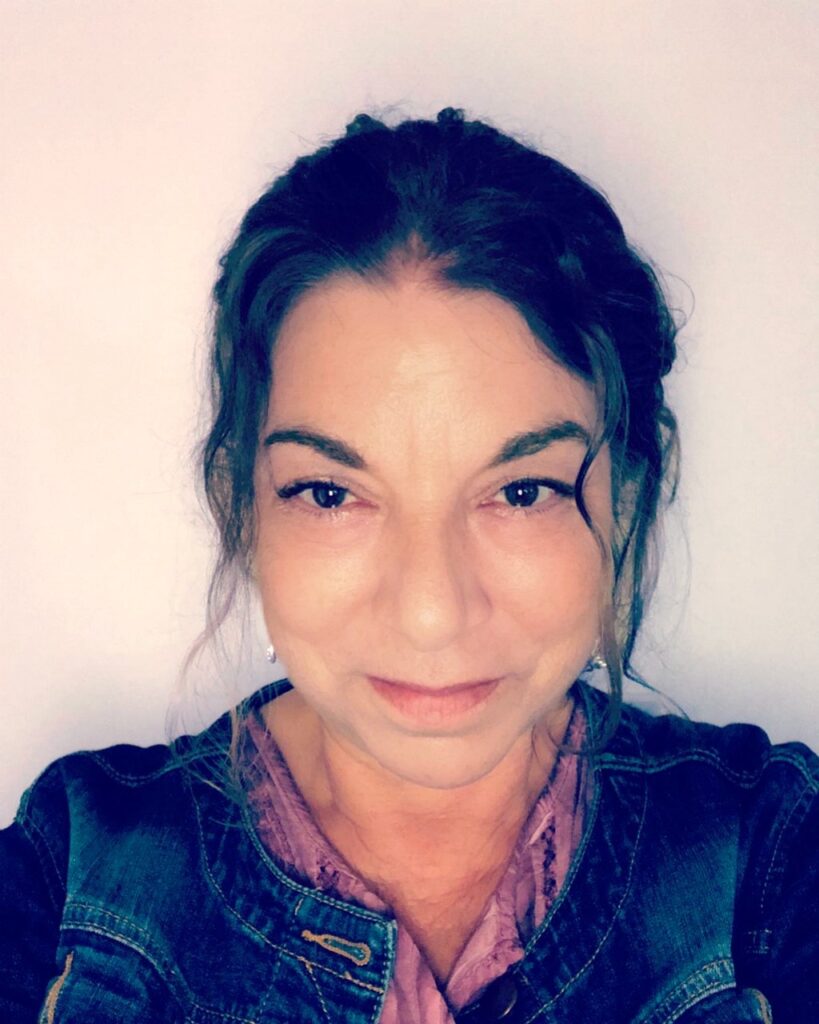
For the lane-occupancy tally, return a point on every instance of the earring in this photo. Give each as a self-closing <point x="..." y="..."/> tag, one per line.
<point x="271" y="653"/>
<point x="595" y="662"/>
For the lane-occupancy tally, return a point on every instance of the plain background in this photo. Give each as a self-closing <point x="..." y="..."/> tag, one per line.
<point x="135" y="133"/>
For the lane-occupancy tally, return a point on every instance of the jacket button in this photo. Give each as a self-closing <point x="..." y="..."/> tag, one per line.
<point x="498" y="1000"/>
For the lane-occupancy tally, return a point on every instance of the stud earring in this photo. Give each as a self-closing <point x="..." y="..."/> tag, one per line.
<point x="271" y="653"/>
<point x="595" y="662"/>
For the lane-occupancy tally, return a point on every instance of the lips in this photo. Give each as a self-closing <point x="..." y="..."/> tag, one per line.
<point x="433" y="690"/>
<point x="430" y="705"/>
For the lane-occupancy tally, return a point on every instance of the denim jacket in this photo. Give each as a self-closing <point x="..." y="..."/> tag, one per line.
<point x="133" y="888"/>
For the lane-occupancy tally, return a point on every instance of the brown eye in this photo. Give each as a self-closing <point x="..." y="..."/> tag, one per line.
<point x="522" y="493"/>
<point x="326" y="494"/>
<point x="525" y="493"/>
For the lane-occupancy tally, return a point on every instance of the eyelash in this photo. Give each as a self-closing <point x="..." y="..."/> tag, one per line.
<point x="560" y="489"/>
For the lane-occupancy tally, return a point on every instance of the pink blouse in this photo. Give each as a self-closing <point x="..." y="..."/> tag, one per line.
<point x="519" y="904"/>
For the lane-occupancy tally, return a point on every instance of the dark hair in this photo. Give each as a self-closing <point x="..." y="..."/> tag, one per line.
<point x="485" y="211"/>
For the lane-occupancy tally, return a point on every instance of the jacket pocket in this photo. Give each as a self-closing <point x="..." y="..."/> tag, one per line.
<point x="50" y="1004"/>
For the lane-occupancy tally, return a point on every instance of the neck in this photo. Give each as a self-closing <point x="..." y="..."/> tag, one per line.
<point x="369" y="812"/>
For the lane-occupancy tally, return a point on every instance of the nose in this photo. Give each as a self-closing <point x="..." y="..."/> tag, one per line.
<point x="430" y="586"/>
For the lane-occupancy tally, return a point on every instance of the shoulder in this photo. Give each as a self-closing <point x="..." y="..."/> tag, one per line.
<point x="113" y="794"/>
<point x="715" y="828"/>
<point x="741" y="755"/>
<point x="730" y="798"/>
<point x="728" y="789"/>
<point x="92" y="800"/>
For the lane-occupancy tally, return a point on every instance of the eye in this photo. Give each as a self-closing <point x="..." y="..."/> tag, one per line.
<point x="534" y="494"/>
<point x="527" y="495"/>
<point x="328" y="496"/>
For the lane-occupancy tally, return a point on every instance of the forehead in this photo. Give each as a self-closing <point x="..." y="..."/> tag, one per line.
<point x="409" y="351"/>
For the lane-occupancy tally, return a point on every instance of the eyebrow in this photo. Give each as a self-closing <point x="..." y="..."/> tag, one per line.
<point x="516" y="447"/>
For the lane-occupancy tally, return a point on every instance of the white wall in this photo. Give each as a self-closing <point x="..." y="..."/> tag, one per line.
<point x="135" y="133"/>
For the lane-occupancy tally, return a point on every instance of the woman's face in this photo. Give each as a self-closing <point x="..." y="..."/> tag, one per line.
<point x="413" y="539"/>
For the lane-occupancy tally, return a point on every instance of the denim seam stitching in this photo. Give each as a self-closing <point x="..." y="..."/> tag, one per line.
<point x="140" y="934"/>
<point x="138" y="780"/>
<point x="252" y="928"/>
<point x="302" y="890"/>
<point x="111" y="933"/>
<point x="604" y="937"/>
<point x="336" y="974"/>
<point x="30" y="830"/>
<point x="764" y="1004"/>
<point x="747" y="779"/>
<point x="101" y="929"/>
<point x="308" y="966"/>
<point x="106" y="913"/>
<point x="262" y="1006"/>
<point x="658" y="1013"/>
<point x="54" y="989"/>
<point x="221" y="1014"/>
<point x="217" y="888"/>
<point x="574" y="867"/>
<point x="779" y="840"/>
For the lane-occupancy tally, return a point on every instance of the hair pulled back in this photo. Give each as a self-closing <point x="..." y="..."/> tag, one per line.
<point x="485" y="211"/>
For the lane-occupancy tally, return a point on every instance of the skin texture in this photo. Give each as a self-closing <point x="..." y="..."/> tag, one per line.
<point x="427" y="573"/>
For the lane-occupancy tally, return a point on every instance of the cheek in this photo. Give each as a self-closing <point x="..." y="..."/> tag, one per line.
<point x="307" y="583"/>
<point x="550" y="581"/>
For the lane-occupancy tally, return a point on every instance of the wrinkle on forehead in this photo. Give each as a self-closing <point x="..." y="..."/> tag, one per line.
<point x="416" y="373"/>
<point x="338" y="296"/>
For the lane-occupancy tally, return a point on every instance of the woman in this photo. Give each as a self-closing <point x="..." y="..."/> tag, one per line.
<point x="438" y="450"/>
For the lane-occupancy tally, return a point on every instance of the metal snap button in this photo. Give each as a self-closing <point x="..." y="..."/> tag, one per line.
<point x="499" y="1000"/>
